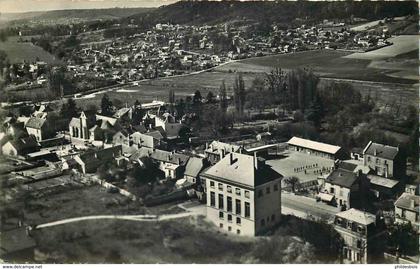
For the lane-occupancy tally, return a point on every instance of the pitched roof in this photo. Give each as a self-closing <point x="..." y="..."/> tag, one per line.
<point x="103" y="154"/>
<point x="24" y="143"/>
<point x="380" y="150"/>
<point x="382" y="181"/>
<point x="35" y="122"/>
<point x="347" y="166"/>
<point x="358" y="216"/>
<point x="170" y="157"/>
<point x="343" y="178"/>
<point x="243" y="170"/>
<point x="194" y="166"/>
<point x="121" y="112"/>
<point x="140" y="153"/>
<point x="155" y="134"/>
<point x="405" y="201"/>
<point x="309" y="144"/>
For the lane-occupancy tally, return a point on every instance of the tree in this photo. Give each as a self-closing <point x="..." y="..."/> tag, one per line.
<point x="69" y="109"/>
<point x="239" y="94"/>
<point x="197" y="97"/>
<point x="210" y="97"/>
<point x="292" y="181"/>
<point x="106" y="106"/>
<point x="276" y="82"/>
<point x="223" y="98"/>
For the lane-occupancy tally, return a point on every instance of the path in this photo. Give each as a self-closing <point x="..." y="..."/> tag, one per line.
<point x="119" y="217"/>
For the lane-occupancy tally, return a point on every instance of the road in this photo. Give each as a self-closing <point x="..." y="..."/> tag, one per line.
<point x="302" y="206"/>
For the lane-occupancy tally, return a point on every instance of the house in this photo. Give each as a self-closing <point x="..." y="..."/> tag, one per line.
<point x="384" y="188"/>
<point x="20" y="147"/>
<point x="363" y="235"/>
<point x="345" y="187"/>
<point x="17" y="245"/>
<point x="407" y="209"/>
<point x="150" y="140"/>
<point x="79" y="128"/>
<point x="193" y="169"/>
<point x="243" y="194"/>
<point x="315" y="148"/>
<point x="171" y="163"/>
<point x="90" y="161"/>
<point x="122" y="138"/>
<point x="169" y="125"/>
<point x="218" y="150"/>
<point x="386" y="161"/>
<point x="37" y="127"/>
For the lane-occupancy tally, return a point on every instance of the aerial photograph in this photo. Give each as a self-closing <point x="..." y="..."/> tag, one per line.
<point x="209" y="132"/>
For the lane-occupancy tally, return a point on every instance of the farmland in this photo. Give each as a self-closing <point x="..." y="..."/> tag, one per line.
<point x="25" y="51"/>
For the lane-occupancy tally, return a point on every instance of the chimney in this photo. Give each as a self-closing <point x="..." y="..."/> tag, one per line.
<point x="412" y="204"/>
<point x="255" y="161"/>
<point x="231" y="158"/>
<point x="375" y="152"/>
<point x="207" y="145"/>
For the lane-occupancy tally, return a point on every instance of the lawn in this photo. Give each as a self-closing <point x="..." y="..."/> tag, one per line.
<point x="18" y="52"/>
<point x="187" y="240"/>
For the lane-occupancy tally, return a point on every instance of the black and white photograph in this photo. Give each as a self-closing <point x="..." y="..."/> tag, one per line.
<point x="209" y="133"/>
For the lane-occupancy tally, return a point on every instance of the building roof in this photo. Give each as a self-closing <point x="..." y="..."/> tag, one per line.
<point x="35" y="122"/>
<point x="155" y="134"/>
<point x="408" y="201"/>
<point x="381" y="151"/>
<point x="140" y="153"/>
<point x="24" y="143"/>
<point x="347" y="166"/>
<point x="343" y="178"/>
<point x="15" y="240"/>
<point x="170" y="157"/>
<point x="243" y="170"/>
<point x="309" y="144"/>
<point x="217" y="147"/>
<point x="103" y="154"/>
<point x="194" y="166"/>
<point x="381" y="181"/>
<point x="358" y="216"/>
<point x="121" y="112"/>
<point x="112" y="121"/>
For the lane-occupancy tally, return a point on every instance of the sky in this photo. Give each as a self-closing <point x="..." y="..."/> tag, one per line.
<point x="12" y="6"/>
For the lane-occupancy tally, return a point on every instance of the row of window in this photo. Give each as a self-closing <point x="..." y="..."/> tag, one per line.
<point x="230" y="228"/>
<point x="229" y="204"/>
<point x="377" y="160"/>
<point x="229" y="217"/>
<point x="264" y="221"/>
<point x="229" y="189"/>
<point x="267" y="190"/>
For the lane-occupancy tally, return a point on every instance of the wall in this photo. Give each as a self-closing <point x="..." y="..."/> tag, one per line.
<point x="267" y="205"/>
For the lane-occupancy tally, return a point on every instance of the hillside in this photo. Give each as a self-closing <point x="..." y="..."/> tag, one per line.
<point x="197" y="12"/>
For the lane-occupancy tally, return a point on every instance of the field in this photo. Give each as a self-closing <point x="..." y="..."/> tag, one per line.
<point x="18" y="52"/>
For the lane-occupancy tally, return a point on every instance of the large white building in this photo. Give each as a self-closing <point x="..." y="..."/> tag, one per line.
<point x="243" y="194"/>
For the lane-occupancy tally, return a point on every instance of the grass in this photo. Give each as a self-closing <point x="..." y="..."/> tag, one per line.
<point x="18" y="52"/>
<point x="187" y="240"/>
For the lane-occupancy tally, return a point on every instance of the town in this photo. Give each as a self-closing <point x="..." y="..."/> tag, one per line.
<point x="322" y="167"/>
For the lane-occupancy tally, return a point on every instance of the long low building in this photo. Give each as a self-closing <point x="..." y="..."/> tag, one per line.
<point x="315" y="148"/>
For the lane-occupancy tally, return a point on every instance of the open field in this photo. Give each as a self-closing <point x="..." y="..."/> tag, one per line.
<point x="188" y="240"/>
<point x="18" y="52"/>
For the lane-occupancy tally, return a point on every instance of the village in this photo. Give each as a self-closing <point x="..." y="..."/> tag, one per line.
<point x="244" y="186"/>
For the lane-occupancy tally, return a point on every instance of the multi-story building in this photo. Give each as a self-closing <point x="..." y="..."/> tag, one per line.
<point x="362" y="234"/>
<point x="385" y="160"/>
<point x="243" y="194"/>
<point x="407" y="209"/>
<point x="218" y="150"/>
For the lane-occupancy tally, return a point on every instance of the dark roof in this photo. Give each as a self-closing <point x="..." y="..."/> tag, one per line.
<point x="343" y="178"/>
<point x="103" y="154"/>
<point x="347" y="166"/>
<point x="25" y="143"/>
<point x="170" y="157"/>
<point x="194" y="166"/>
<point x="140" y="128"/>
<point x="357" y="150"/>
<point x="381" y="151"/>
<point x="15" y="240"/>
<point x="408" y="201"/>
<point x="35" y="123"/>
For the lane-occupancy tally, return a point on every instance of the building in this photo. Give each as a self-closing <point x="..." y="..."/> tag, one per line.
<point x="79" y="128"/>
<point x="384" y="188"/>
<point x="362" y="234"/>
<point x="218" y="150"/>
<point x="150" y="140"/>
<point x="90" y="161"/>
<point x="193" y="169"/>
<point x="407" y="209"/>
<point x="243" y="194"/>
<point x="20" y="147"/>
<point x="171" y="163"/>
<point x="122" y="138"/>
<point x="386" y="161"/>
<point x="37" y="127"/>
<point x="169" y="125"/>
<point x="344" y="187"/>
<point x="315" y="148"/>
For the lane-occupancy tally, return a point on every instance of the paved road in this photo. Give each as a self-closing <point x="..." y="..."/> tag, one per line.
<point x="304" y="206"/>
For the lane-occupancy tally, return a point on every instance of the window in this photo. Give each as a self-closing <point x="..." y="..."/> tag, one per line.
<point x="385" y="162"/>
<point x="273" y="217"/>
<point x="238" y="207"/>
<point x="221" y="225"/>
<point x="238" y="220"/>
<point x="368" y="158"/>
<point x="341" y="192"/>
<point x="358" y="256"/>
<point x="247" y="194"/>
<point x="212" y="199"/>
<point x="276" y="187"/>
<point x="238" y="231"/>
<point x="229" y="204"/>
<point x="221" y="215"/>
<point x="229" y="218"/>
<point x="331" y="190"/>
<point x="359" y="243"/>
<point x="229" y="228"/>
<point x="212" y="184"/>
<point x="247" y="210"/>
<point x="260" y="193"/>
<point x="229" y="189"/>
<point x="220" y="186"/>
<point x="263" y="222"/>
<point x="221" y="206"/>
<point x="238" y="191"/>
